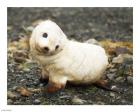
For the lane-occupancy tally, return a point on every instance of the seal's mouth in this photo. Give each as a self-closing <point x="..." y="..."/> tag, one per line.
<point x="41" y="51"/>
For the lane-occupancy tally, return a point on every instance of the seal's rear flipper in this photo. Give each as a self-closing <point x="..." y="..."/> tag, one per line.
<point x="104" y="84"/>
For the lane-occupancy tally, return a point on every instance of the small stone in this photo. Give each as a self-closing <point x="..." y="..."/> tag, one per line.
<point x="119" y="79"/>
<point x="26" y="69"/>
<point x="30" y="28"/>
<point x="37" y="101"/>
<point x="77" y="100"/>
<point x="17" y="103"/>
<point x="92" y="41"/>
<point x="14" y="88"/>
<point x="121" y="50"/>
<point x="115" y="88"/>
<point x="100" y="103"/>
<point x="124" y="101"/>
<point x="9" y="101"/>
<point x="35" y="83"/>
<point x="11" y="95"/>
<point x="118" y="97"/>
<point x="111" y="76"/>
<point x="64" y="97"/>
<point x="41" y="85"/>
<point x="112" y="94"/>
<point x="121" y="58"/>
<point x="130" y="79"/>
<point x="113" y="70"/>
<point x="23" y="80"/>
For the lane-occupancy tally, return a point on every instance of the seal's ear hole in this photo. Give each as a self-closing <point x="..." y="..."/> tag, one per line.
<point x="45" y="35"/>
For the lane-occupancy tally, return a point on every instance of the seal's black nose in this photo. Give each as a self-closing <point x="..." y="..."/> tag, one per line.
<point x="46" y="49"/>
<point x="57" y="46"/>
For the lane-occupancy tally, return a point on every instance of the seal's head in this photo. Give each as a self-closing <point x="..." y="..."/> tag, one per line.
<point x="47" y="38"/>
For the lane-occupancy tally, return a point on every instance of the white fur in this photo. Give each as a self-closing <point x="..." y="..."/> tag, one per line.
<point x="74" y="61"/>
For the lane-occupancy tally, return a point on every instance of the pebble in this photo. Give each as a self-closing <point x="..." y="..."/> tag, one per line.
<point x="41" y="85"/>
<point x="9" y="101"/>
<point x="112" y="94"/>
<point x="111" y="75"/>
<point x="17" y="103"/>
<point x="23" y="80"/>
<point x="64" y="97"/>
<point x="11" y="95"/>
<point x="113" y="70"/>
<point x="121" y="58"/>
<point x="124" y="101"/>
<point x="121" y="50"/>
<point x="26" y="69"/>
<point x="119" y="79"/>
<point x="118" y="97"/>
<point x="77" y="100"/>
<point x="30" y="28"/>
<point x="14" y="88"/>
<point x="37" y="101"/>
<point x="100" y="103"/>
<point x="35" y="83"/>
<point x="130" y="79"/>
<point x="92" y="41"/>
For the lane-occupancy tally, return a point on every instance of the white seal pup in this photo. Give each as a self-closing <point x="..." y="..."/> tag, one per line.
<point x="63" y="60"/>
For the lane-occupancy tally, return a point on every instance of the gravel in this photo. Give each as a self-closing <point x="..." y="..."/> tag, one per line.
<point x="130" y="79"/>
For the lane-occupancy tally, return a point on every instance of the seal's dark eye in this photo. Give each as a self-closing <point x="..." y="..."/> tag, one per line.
<point x="45" y="35"/>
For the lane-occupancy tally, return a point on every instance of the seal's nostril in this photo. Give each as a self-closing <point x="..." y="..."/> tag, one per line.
<point x="56" y="47"/>
<point x="46" y="48"/>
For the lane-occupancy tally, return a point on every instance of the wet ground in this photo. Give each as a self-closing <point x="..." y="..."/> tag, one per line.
<point x="112" y="27"/>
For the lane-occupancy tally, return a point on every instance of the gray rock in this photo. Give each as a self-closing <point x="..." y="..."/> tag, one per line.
<point x="77" y="100"/>
<point x="11" y="95"/>
<point x="100" y="103"/>
<point x="41" y="85"/>
<point x="37" y="101"/>
<point x="113" y="70"/>
<point x="118" y="97"/>
<point x="9" y="101"/>
<point x="112" y="94"/>
<point x="17" y="103"/>
<point x="64" y="97"/>
<point x="111" y="75"/>
<point x="30" y="28"/>
<point x="130" y="79"/>
<point x="115" y="88"/>
<point x="35" y="82"/>
<point x="14" y="88"/>
<point x="92" y="41"/>
<point x="123" y="101"/>
<point x="119" y="79"/>
<point x="121" y="58"/>
<point x="23" y="80"/>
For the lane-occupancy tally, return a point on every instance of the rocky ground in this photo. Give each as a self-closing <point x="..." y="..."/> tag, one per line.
<point x="112" y="27"/>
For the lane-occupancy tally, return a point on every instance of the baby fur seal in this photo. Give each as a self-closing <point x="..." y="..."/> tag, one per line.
<point x="63" y="60"/>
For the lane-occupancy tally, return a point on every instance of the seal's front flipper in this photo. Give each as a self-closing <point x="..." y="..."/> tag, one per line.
<point x="54" y="87"/>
